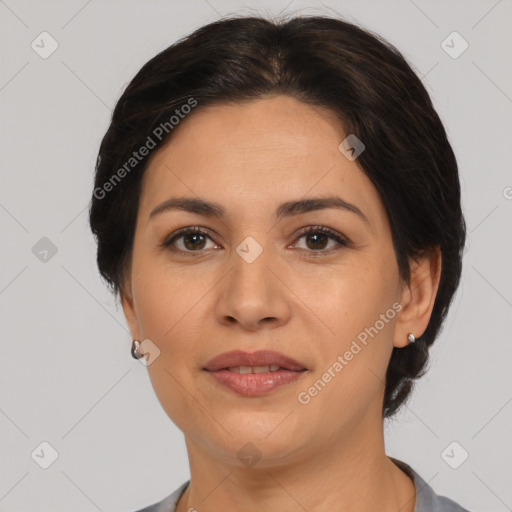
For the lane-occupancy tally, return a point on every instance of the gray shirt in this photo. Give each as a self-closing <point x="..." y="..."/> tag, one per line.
<point x="426" y="499"/>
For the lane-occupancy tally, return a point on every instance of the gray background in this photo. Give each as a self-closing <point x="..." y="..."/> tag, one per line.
<point x="66" y="374"/>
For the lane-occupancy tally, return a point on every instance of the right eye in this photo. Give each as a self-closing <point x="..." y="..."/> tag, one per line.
<point x="192" y="240"/>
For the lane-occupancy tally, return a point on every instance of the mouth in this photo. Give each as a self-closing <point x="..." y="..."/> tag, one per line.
<point x="261" y="361"/>
<point x="257" y="369"/>
<point x="254" y="374"/>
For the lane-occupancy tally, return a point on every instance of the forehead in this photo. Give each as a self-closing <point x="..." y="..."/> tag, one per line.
<point x="256" y="154"/>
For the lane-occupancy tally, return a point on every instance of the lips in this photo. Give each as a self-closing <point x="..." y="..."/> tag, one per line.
<point x="246" y="360"/>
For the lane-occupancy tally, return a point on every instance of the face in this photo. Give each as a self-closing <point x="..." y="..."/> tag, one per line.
<point x="252" y="280"/>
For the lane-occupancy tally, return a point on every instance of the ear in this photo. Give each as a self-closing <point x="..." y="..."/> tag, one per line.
<point x="127" y="302"/>
<point x="418" y="296"/>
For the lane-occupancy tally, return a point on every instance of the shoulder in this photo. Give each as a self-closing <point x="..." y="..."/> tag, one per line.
<point x="169" y="503"/>
<point x="426" y="498"/>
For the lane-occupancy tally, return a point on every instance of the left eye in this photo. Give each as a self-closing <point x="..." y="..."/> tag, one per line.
<point x="193" y="239"/>
<point x="319" y="235"/>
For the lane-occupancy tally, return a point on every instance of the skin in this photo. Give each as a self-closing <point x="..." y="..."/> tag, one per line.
<point x="329" y="454"/>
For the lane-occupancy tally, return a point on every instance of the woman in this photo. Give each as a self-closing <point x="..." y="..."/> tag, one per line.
<point x="278" y="207"/>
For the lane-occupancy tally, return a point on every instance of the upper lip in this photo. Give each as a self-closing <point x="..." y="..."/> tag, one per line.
<point x="258" y="358"/>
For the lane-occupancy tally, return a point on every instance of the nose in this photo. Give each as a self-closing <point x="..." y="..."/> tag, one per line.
<point x="252" y="296"/>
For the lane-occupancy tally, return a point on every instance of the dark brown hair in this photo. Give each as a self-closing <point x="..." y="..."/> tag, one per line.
<point x="320" y="61"/>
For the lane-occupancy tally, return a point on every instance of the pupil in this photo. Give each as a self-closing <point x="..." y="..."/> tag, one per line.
<point x="195" y="236"/>
<point x="318" y="235"/>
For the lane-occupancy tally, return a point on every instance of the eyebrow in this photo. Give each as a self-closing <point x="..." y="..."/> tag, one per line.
<point x="288" y="209"/>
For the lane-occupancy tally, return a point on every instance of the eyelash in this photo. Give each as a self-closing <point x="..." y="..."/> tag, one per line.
<point x="343" y="242"/>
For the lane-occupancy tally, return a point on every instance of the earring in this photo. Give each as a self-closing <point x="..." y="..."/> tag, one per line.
<point x="135" y="353"/>
<point x="411" y="338"/>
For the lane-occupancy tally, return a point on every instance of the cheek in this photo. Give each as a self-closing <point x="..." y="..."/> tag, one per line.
<point x="354" y="349"/>
<point x="171" y="308"/>
<point x="166" y="298"/>
<point x="351" y="374"/>
<point x="167" y="317"/>
<point x="346" y="300"/>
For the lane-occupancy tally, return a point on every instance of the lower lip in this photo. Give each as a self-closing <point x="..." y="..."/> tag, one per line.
<point x="255" y="384"/>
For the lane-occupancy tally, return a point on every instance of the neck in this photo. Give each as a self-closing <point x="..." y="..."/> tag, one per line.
<point x="349" y="473"/>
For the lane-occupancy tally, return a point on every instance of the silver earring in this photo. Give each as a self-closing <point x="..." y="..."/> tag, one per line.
<point x="411" y="338"/>
<point x="135" y="353"/>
